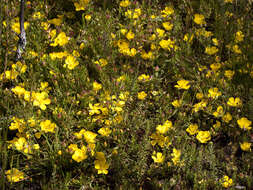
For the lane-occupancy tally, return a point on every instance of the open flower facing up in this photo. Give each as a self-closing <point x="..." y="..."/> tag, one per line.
<point x="96" y="86"/>
<point x="183" y="84"/>
<point x="158" y="157"/>
<point x="47" y="126"/>
<point x="199" y="19"/>
<point x="14" y="175"/>
<point x="203" y="136"/>
<point x="244" y="123"/>
<point x="245" y="146"/>
<point x="41" y="100"/>
<point x="142" y="95"/>
<point x="79" y="154"/>
<point x="70" y="62"/>
<point x="234" y="102"/>
<point x="192" y="129"/>
<point x="227" y="117"/>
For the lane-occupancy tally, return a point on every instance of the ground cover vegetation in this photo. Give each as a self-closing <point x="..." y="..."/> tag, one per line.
<point x="127" y="95"/>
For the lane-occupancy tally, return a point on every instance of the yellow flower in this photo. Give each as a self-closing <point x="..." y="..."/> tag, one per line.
<point x="157" y="138"/>
<point x="18" y="90"/>
<point x="164" y="128"/>
<point x="160" y="32"/>
<point x="167" y="26"/>
<point x="142" y="95"/>
<point x="41" y="100"/>
<point x="199" y="19"/>
<point x="37" y="135"/>
<point x="148" y="55"/>
<point x="228" y="1"/>
<point x="217" y="125"/>
<point x="177" y="103"/>
<point x="214" y="93"/>
<point x="123" y="31"/>
<point x="60" y="40"/>
<point x="47" y="126"/>
<point x="227" y="117"/>
<point x="81" y="5"/>
<point x="100" y="163"/>
<point x="239" y="36"/>
<point x="167" y="11"/>
<point x="87" y="17"/>
<point x="192" y="129"/>
<point x="14" y="175"/>
<point x="188" y="38"/>
<point x="105" y="131"/>
<point x="229" y="74"/>
<point x="89" y="137"/>
<point x="71" y="62"/>
<point x="37" y="15"/>
<point x="234" y="102"/>
<point x="36" y="146"/>
<point x="15" y="26"/>
<point x="133" y="14"/>
<point x="211" y="50"/>
<point x="199" y="96"/>
<point x="244" y="123"/>
<point x="203" y="136"/>
<point x="45" y="25"/>
<point x="94" y="109"/>
<point x="96" y="86"/>
<point x="58" y="55"/>
<point x="199" y="106"/>
<point x="79" y="154"/>
<point x="175" y="156"/>
<point x="245" y="146"/>
<point x="215" y="41"/>
<point x="82" y="45"/>
<point x="183" y="84"/>
<point x="125" y="3"/>
<point x="20" y="144"/>
<point x="236" y="49"/>
<point x="102" y="62"/>
<point x="144" y="78"/>
<point x="219" y="112"/>
<point x="80" y="134"/>
<point x="130" y="35"/>
<point x="158" y="157"/>
<point x="76" y="53"/>
<point x="226" y="182"/>
<point x="56" y="21"/>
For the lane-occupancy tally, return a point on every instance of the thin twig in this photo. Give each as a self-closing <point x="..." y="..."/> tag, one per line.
<point x="22" y="36"/>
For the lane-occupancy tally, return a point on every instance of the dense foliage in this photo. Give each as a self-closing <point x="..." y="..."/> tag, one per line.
<point x="127" y="95"/>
